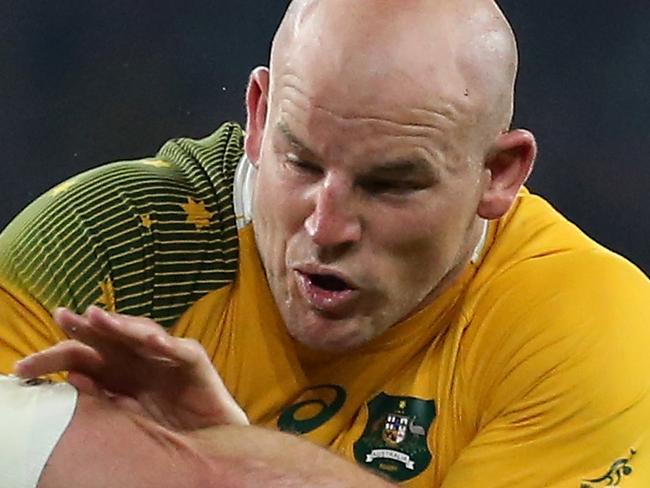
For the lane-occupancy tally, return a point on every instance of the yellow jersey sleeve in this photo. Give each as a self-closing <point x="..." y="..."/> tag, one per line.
<point x="25" y="327"/>
<point x="559" y="376"/>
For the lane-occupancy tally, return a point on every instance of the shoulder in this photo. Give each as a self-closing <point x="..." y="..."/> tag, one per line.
<point x="144" y="237"/>
<point x="182" y="167"/>
<point x="555" y="311"/>
<point x="536" y="256"/>
<point x="553" y="358"/>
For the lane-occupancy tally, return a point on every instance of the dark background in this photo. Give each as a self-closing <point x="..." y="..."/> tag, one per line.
<point x="88" y="81"/>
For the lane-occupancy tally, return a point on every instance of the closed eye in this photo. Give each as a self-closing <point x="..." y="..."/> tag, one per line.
<point x="399" y="178"/>
<point x="302" y="166"/>
<point x="395" y="187"/>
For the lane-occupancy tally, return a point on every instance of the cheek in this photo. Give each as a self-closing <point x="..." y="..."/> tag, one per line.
<point x="279" y="215"/>
<point x="280" y="203"/>
<point x="420" y="245"/>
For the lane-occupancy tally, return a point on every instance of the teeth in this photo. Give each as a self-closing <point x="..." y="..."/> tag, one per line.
<point x="329" y="282"/>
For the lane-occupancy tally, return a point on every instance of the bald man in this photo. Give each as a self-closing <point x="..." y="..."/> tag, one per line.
<point x="363" y="268"/>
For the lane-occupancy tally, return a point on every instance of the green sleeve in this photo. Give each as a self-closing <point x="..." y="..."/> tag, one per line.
<point x="146" y="237"/>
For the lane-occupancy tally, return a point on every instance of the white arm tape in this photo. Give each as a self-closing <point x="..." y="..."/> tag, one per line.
<point x="32" y="420"/>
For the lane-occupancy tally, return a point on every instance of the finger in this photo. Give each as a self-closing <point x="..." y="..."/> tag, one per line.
<point x="70" y="355"/>
<point x="70" y="322"/>
<point x="103" y="331"/>
<point x="201" y="372"/>
<point x="78" y="327"/>
<point x="133" y="332"/>
<point x="133" y="324"/>
<point x="153" y="326"/>
<point x="182" y="352"/>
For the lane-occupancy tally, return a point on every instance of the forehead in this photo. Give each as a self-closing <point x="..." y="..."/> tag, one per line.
<point x="369" y="77"/>
<point x="369" y="93"/>
<point x="383" y="118"/>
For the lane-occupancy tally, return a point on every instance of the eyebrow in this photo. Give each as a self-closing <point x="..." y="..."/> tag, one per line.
<point x="417" y="167"/>
<point x="296" y="143"/>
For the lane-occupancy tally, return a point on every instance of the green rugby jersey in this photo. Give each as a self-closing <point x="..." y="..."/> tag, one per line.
<point x="146" y="237"/>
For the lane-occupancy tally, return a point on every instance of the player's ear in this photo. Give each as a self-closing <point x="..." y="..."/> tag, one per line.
<point x="257" y="96"/>
<point x="507" y="168"/>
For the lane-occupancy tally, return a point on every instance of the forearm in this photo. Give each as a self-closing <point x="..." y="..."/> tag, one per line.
<point x="105" y="446"/>
<point x="253" y="457"/>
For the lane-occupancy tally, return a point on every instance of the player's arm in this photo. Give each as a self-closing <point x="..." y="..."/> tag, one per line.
<point x="54" y="439"/>
<point x="167" y="387"/>
<point x="262" y="457"/>
<point x="106" y="448"/>
<point x="560" y="391"/>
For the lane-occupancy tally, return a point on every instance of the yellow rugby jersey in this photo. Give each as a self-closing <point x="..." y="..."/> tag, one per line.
<point x="530" y="371"/>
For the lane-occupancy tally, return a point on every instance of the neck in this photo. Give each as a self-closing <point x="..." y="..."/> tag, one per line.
<point x="469" y="255"/>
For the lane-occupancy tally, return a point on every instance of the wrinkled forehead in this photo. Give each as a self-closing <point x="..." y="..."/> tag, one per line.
<point x="394" y="96"/>
<point x="366" y="101"/>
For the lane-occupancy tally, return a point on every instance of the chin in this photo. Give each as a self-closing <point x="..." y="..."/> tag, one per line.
<point x="330" y="335"/>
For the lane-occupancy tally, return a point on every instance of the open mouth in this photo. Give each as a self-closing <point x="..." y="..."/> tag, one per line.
<point x="327" y="292"/>
<point x="328" y="282"/>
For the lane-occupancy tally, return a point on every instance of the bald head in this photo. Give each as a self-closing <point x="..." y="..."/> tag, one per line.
<point x="460" y="55"/>
<point x="381" y="139"/>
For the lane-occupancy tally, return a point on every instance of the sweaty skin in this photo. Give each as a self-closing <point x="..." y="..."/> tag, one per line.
<point x="380" y="135"/>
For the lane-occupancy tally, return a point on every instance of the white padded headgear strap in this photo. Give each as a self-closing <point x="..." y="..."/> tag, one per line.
<point x="243" y="192"/>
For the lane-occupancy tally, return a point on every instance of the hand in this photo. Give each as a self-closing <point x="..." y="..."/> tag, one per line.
<point x="136" y="363"/>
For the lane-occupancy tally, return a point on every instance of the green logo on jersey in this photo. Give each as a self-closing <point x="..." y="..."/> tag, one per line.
<point x="320" y="404"/>
<point x="394" y="442"/>
<point x="619" y="469"/>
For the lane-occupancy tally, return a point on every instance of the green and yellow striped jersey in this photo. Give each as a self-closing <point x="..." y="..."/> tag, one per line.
<point x="146" y="237"/>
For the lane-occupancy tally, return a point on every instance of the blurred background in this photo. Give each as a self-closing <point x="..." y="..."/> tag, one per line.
<point x="84" y="82"/>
